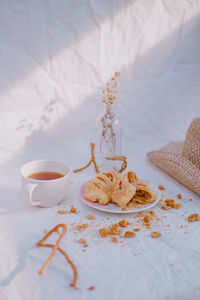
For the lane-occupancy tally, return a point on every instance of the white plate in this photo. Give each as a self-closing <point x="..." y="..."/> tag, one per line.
<point x="113" y="208"/>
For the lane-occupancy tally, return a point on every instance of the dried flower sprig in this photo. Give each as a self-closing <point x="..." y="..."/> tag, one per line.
<point x="110" y="93"/>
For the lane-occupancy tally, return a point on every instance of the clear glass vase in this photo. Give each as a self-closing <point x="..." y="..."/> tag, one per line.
<point x="109" y="138"/>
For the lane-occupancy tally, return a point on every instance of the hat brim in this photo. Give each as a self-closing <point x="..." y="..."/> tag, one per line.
<point x="170" y="160"/>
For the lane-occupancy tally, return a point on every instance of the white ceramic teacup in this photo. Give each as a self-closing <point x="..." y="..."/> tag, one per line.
<point x="45" y="193"/>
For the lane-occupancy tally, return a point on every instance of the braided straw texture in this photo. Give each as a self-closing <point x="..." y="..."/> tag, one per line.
<point x="191" y="149"/>
<point x="181" y="160"/>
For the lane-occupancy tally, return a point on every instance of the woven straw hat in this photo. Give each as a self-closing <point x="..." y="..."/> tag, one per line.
<point x="181" y="160"/>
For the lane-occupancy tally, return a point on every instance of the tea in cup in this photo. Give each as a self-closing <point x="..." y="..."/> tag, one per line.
<point x="45" y="182"/>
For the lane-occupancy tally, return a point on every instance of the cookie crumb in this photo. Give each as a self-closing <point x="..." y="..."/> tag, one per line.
<point x="139" y="215"/>
<point x="104" y="232"/>
<point x="73" y="210"/>
<point x="177" y="205"/>
<point x="152" y="213"/>
<point x="82" y="241"/>
<point x="147" y="225"/>
<point x="114" y="239"/>
<point x="114" y="229"/>
<point x="147" y="219"/>
<point x="91" y="288"/>
<point x="161" y="187"/>
<point x="90" y="217"/>
<point x="193" y="218"/>
<point x="136" y="229"/>
<point x="62" y="211"/>
<point x="123" y="223"/>
<point x="129" y="234"/>
<point x="170" y="203"/>
<point x="155" y="234"/>
<point x="179" y="196"/>
<point x="165" y="207"/>
<point x="81" y="227"/>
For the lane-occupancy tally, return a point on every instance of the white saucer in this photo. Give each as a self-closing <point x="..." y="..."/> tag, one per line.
<point x="113" y="208"/>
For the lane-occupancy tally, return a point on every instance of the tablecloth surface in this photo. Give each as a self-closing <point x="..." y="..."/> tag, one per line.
<point x="55" y="59"/>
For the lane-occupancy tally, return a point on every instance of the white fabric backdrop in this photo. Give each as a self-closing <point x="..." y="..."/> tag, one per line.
<point x="55" y="58"/>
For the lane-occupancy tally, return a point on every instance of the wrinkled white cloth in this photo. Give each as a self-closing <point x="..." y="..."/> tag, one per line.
<point x="55" y="59"/>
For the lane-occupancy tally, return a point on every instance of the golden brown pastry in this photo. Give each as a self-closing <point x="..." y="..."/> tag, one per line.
<point x="113" y="177"/>
<point x="121" y="196"/>
<point x="97" y="192"/>
<point x="105" y="180"/>
<point x="143" y="195"/>
<point x="125" y="190"/>
<point x="133" y="204"/>
<point x="129" y="178"/>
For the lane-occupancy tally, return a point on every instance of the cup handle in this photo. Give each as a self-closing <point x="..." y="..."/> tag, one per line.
<point x="30" y="188"/>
